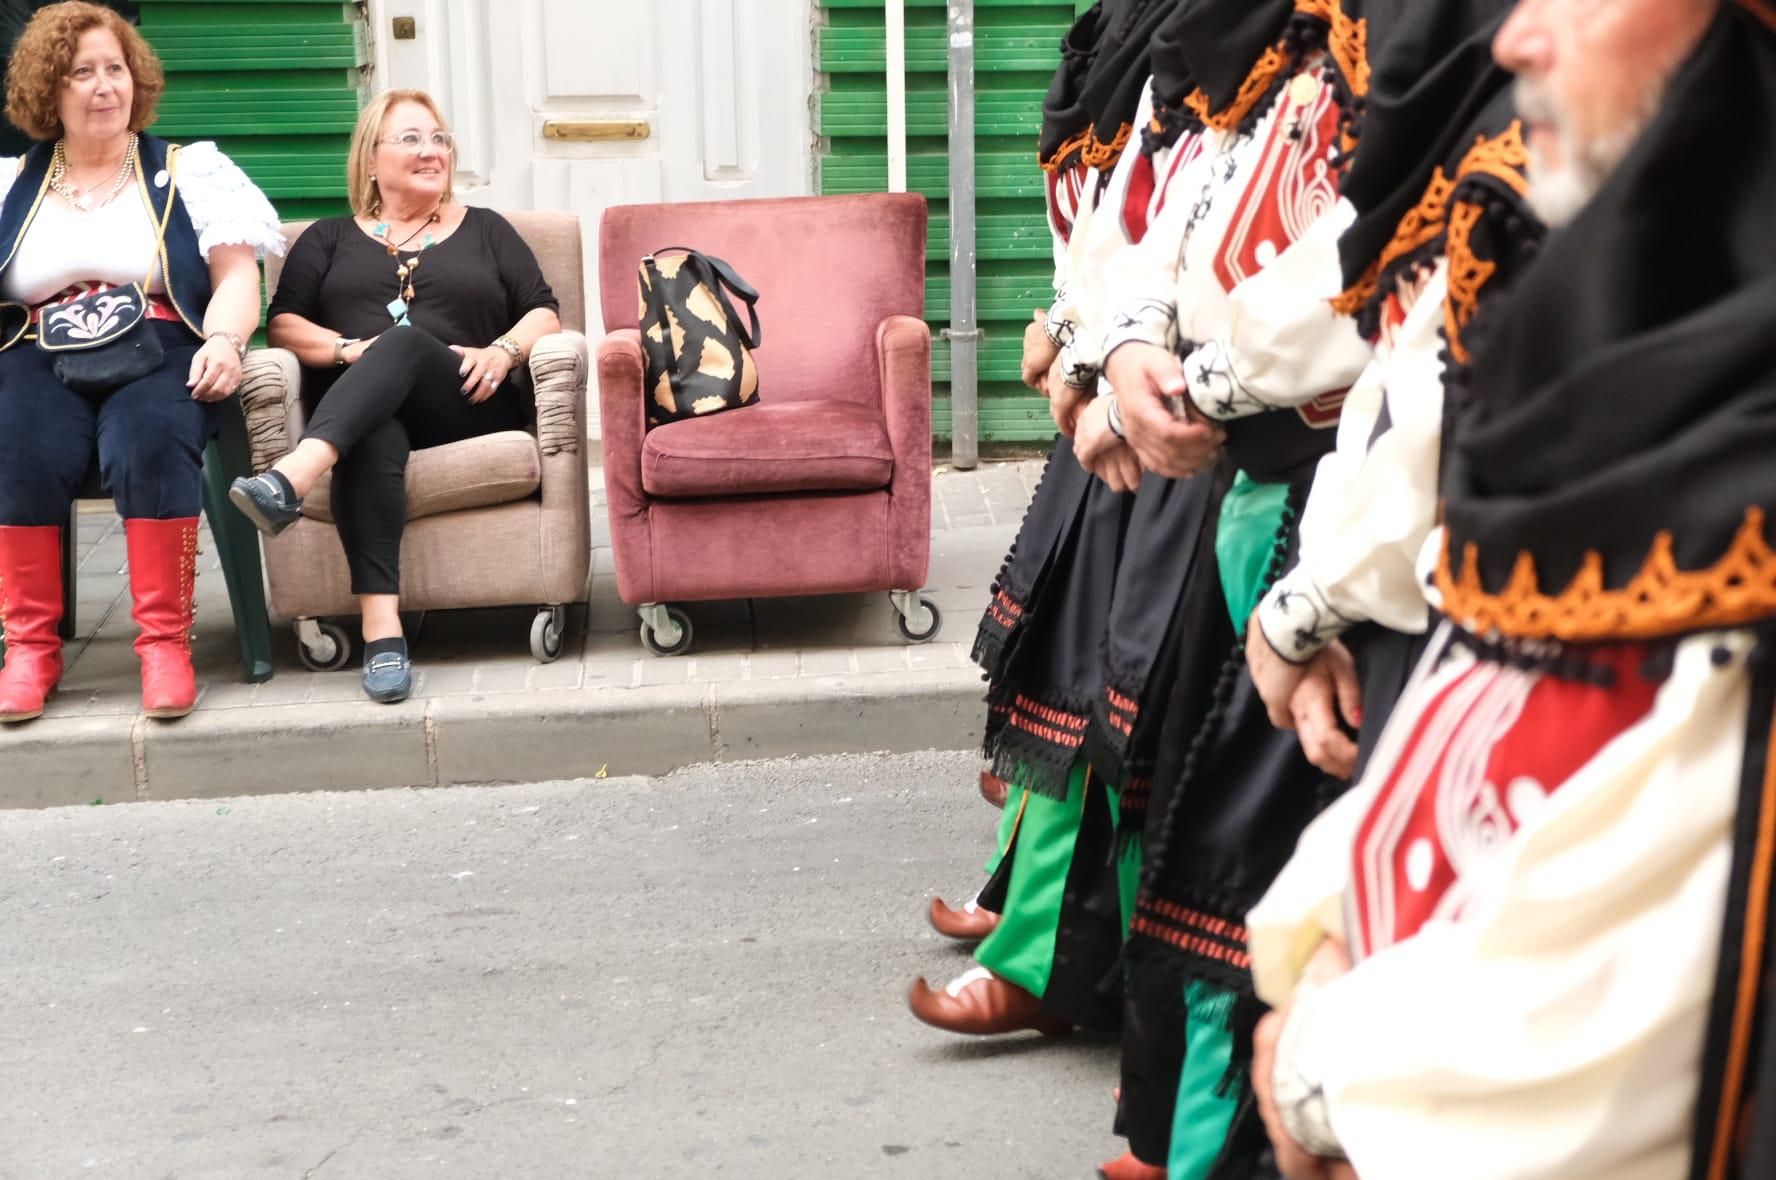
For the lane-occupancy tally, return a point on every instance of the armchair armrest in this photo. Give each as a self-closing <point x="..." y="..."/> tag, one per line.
<point x="903" y="352"/>
<point x="271" y="381"/>
<point x="558" y="373"/>
<point x="623" y="421"/>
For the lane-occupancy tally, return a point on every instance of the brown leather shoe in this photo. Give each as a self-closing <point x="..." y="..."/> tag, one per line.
<point x="1130" y="1168"/>
<point x="966" y="922"/>
<point x="981" y="1004"/>
<point x="993" y="788"/>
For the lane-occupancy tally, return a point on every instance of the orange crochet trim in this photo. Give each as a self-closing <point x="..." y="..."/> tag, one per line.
<point x="1255" y="87"/>
<point x="1416" y="229"/>
<point x="1659" y="600"/>
<point x="1353" y="300"/>
<point x="1094" y="152"/>
<point x="1503" y="157"/>
<point x="1350" y="49"/>
<point x="1467" y="274"/>
<point x="1098" y="153"/>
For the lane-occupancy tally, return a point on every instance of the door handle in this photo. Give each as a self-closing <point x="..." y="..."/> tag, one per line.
<point x="596" y="130"/>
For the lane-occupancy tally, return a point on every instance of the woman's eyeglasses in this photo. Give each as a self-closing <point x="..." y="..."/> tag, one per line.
<point x="413" y="141"/>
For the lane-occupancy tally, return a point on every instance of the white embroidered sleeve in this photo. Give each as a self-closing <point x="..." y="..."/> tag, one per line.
<point x="1065" y="207"/>
<point x="1144" y="276"/>
<point x="1552" y="1029"/>
<point x="1095" y="242"/>
<point x="1374" y="498"/>
<point x="226" y="208"/>
<point x="1284" y="345"/>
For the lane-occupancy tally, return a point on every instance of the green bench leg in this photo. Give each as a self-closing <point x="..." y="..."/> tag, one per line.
<point x="70" y="562"/>
<point x="237" y="544"/>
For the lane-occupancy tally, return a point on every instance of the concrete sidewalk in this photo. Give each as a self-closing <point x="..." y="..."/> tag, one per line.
<point x="776" y="678"/>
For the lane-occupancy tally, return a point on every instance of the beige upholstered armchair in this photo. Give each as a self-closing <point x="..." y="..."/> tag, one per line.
<point x="500" y="520"/>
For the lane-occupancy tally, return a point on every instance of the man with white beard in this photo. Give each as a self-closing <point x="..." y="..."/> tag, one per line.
<point x="1533" y="942"/>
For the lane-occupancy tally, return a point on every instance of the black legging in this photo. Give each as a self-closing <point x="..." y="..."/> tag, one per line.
<point x="404" y="392"/>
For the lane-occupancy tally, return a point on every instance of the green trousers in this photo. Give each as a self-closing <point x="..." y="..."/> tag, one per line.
<point x="1245" y="541"/>
<point x="1203" y="1115"/>
<point x="1040" y="836"/>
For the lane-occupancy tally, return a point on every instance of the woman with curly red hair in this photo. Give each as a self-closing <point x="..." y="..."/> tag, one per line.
<point x="94" y="207"/>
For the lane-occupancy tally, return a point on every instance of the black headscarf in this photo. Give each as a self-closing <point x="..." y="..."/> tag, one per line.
<point x="1092" y="100"/>
<point x="1621" y="415"/>
<point x="1433" y="89"/>
<point x="1223" y="60"/>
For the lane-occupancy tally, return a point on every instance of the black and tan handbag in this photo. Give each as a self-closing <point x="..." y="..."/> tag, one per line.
<point x="698" y="354"/>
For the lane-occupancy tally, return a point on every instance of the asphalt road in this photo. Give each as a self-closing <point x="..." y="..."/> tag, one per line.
<point x="701" y="975"/>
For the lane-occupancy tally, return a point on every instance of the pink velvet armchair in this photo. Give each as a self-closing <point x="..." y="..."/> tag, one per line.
<point x="822" y="485"/>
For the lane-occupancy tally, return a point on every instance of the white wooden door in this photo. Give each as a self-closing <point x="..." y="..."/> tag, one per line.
<point x="581" y="104"/>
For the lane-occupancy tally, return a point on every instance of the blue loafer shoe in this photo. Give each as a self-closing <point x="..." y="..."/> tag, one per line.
<point x="388" y="676"/>
<point x="267" y="502"/>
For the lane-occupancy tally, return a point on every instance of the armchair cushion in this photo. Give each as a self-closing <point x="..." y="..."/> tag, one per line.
<point x="475" y="473"/>
<point x="807" y="446"/>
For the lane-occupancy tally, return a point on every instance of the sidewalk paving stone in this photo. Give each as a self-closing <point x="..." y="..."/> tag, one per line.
<point x="829" y="674"/>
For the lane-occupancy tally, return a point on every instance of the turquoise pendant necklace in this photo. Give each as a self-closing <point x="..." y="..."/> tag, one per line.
<point x="404" y="271"/>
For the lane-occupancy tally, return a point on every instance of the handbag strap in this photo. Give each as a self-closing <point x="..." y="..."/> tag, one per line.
<point x="723" y="278"/>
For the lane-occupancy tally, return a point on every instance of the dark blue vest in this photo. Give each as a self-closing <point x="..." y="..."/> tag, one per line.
<point x="182" y="263"/>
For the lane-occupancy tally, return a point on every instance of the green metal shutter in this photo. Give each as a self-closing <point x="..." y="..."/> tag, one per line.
<point x="275" y="82"/>
<point x="1016" y="46"/>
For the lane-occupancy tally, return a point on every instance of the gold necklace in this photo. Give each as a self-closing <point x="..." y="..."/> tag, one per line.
<point x="399" y="306"/>
<point x="58" y="178"/>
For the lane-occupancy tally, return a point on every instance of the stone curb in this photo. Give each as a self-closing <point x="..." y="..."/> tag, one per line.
<point x="452" y="741"/>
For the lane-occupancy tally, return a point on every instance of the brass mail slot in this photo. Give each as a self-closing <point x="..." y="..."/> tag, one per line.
<point x="594" y="130"/>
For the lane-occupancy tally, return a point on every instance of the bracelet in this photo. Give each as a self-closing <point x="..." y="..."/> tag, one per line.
<point x="1114" y="416"/>
<point x="340" y="344"/>
<point x="239" y="345"/>
<point x="511" y="348"/>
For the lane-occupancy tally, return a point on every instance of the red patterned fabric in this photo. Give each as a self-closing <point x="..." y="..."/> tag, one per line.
<point x="1065" y="192"/>
<point x="159" y="307"/>
<point x="1293" y="185"/>
<point x="1139" y="199"/>
<point x="1488" y="750"/>
<point x="1189" y="148"/>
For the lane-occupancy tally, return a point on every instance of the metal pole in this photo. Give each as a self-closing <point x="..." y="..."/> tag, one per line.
<point x="894" y="16"/>
<point x="963" y="333"/>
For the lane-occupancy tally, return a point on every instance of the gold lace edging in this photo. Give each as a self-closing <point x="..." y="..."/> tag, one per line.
<point x="1659" y="600"/>
<point x="1093" y="152"/>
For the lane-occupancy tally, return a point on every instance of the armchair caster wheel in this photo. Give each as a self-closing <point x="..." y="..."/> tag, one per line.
<point x="322" y="647"/>
<point x="917" y="618"/>
<point x="546" y="632"/>
<point x="665" y="630"/>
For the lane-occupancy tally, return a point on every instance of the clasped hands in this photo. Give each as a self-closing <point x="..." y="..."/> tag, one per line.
<point x="1310" y="698"/>
<point x="1148" y="381"/>
<point x="1295" y="1162"/>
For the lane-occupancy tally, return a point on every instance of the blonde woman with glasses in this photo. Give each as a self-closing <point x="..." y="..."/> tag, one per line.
<point x="413" y="319"/>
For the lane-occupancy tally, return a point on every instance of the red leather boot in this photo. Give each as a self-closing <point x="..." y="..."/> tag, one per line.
<point x="30" y="611"/>
<point x="163" y="580"/>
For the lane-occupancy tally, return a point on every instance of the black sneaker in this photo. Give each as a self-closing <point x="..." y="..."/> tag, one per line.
<point x="266" y="500"/>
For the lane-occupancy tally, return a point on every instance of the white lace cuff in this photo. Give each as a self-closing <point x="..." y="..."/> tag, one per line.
<point x="1297" y="620"/>
<point x="226" y="207"/>
<point x="1148" y="322"/>
<point x="1059" y="322"/>
<point x="1216" y="388"/>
